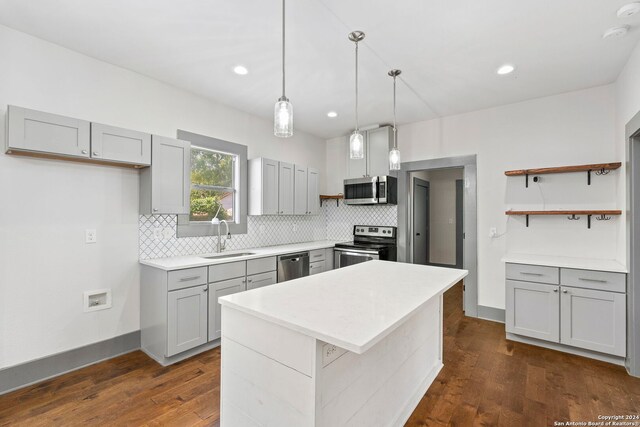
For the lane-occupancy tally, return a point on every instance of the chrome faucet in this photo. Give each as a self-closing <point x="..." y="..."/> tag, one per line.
<point x="221" y="244"/>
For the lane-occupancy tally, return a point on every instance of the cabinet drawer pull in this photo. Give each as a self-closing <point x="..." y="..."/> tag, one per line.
<point x="188" y="279"/>
<point x="317" y="255"/>
<point x="591" y="280"/>
<point x="525" y="273"/>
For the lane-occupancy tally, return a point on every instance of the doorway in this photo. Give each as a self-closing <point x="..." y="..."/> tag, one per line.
<point x="633" y="248"/>
<point x="464" y="223"/>
<point x="421" y="223"/>
<point x="437" y="203"/>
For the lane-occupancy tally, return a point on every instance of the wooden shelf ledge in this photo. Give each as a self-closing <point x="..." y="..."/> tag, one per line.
<point x="566" y="212"/>
<point x="572" y="215"/>
<point x="565" y="169"/>
<point x="336" y="197"/>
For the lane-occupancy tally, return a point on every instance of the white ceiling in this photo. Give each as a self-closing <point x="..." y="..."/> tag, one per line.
<point x="448" y="51"/>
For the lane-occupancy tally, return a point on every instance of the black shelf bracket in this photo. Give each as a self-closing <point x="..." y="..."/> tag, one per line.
<point x="598" y="172"/>
<point x="527" y="220"/>
<point x="526" y="182"/>
<point x="337" y="202"/>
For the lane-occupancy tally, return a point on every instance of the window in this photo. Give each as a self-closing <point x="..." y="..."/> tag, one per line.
<point x="213" y="192"/>
<point x="218" y="186"/>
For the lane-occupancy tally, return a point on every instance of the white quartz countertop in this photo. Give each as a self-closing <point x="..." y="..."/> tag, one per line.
<point x="567" y="262"/>
<point x="188" y="261"/>
<point x="353" y="307"/>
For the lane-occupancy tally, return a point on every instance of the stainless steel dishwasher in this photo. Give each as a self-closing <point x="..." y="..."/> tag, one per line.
<point x="293" y="266"/>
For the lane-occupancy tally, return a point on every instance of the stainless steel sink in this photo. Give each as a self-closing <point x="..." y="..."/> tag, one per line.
<point x="221" y="256"/>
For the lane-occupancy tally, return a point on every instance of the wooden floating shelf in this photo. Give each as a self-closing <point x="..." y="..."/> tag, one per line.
<point x="598" y="168"/>
<point x="572" y="215"/>
<point x="336" y="197"/>
<point x="566" y="212"/>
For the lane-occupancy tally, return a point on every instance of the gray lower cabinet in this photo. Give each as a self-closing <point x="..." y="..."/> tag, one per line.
<point x="40" y="132"/>
<point x="594" y="320"/>
<point x="217" y="290"/>
<point x="578" y="308"/>
<point x="261" y="280"/>
<point x="533" y="310"/>
<point x="187" y="319"/>
<point x="119" y="145"/>
<point x="165" y="187"/>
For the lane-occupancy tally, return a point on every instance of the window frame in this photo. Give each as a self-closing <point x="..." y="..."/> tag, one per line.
<point x="187" y="228"/>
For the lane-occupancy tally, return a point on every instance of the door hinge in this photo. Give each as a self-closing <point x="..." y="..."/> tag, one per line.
<point x="464" y="288"/>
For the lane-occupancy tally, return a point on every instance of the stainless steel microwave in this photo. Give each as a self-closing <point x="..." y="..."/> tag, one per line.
<point x="372" y="190"/>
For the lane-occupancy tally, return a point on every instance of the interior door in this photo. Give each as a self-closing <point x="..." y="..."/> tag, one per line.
<point x="420" y="221"/>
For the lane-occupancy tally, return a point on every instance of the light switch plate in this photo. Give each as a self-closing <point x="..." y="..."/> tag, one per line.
<point x="90" y="236"/>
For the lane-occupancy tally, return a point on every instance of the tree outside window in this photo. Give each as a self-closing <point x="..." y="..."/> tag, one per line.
<point x="212" y="184"/>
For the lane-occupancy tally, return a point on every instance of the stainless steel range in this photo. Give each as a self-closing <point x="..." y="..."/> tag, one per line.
<point x="369" y="243"/>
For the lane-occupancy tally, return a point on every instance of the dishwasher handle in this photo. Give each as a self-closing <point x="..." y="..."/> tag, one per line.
<point x="293" y="257"/>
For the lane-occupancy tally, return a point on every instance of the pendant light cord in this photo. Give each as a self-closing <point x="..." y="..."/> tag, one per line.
<point x="283" y="48"/>
<point x="357" y="124"/>
<point x="395" y="139"/>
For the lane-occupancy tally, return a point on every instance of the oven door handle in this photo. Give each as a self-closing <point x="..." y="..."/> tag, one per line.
<point x="357" y="253"/>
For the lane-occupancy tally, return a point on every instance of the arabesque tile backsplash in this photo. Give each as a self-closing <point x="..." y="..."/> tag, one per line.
<point x="158" y="232"/>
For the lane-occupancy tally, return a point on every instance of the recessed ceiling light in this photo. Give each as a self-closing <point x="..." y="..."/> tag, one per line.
<point x="240" y="70"/>
<point x="629" y="10"/>
<point x="332" y="114"/>
<point x="506" y="69"/>
<point x="615" y="32"/>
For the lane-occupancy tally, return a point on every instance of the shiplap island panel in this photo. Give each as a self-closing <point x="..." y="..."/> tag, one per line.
<point x="355" y="346"/>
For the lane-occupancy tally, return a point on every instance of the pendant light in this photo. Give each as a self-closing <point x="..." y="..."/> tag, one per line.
<point x="394" y="154"/>
<point x="283" y="111"/>
<point x="356" y="141"/>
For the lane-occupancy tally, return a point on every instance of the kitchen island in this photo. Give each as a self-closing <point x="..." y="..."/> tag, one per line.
<point x="354" y="346"/>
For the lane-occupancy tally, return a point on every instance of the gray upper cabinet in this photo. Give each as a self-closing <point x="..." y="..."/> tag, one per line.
<point x="286" y="188"/>
<point x="120" y="145"/>
<point x="263" y="186"/>
<point x="313" y="191"/>
<point x="533" y="310"/>
<point x="595" y="320"/>
<point x="39" y="132"/>
<point x="187" y="319"/>
<point x="165" y="186"/>
<point x="300" y="194"/>
<point x="280" y="188"/>
<point x="377" y="144"/>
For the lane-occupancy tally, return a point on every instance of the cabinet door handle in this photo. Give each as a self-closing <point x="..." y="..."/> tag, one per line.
<point x="565" y="291"/>
<point x="95" y="153"/>
<point x="205" y="290"/>
<point x="250" y="280"/>
<point x="155" y="209"/>
<point x="592" y="280"/>
<point x="555" y="290"/>
<point x="525" y="273"/>
<point x="84" y="151"/>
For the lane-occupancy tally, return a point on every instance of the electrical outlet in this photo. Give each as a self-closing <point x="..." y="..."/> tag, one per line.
<point x="90" y="236"/>
<point x="100" y="299"/>
<point x="168" y="233"/>
<point x="493" y="232"/>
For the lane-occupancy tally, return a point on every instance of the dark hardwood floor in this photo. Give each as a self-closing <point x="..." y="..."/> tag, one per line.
<point x="486" y="380"/>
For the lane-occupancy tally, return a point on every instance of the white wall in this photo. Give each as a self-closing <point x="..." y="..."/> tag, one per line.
<point x="46" y="205"/>
<point x="627" y="106"/>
